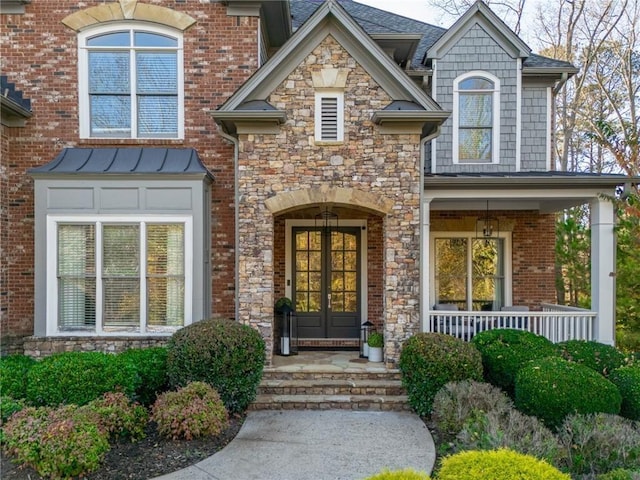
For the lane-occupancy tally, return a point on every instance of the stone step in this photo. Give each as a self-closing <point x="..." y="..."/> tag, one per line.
<point x="323" y="373"/>
<point x="327" y="402"/>
<point x="340" y="386"/>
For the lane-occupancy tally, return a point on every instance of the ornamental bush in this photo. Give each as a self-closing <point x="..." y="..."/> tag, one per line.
<point x="620" y="474"/>
<point x="406" y="474"/>
<point x="13" y="375"/>
<point x="456" y="402"/>
<point x="78" y="378"/>
<point x="599" y="443"/>
<point x="602" y="358"/>
<point x="500" y="464"/>
<point x="552" y="388"/>
<point x="509" y="429"/>
<point x="428" y="361"/>
<point x="57" y="443"/>
<point x="9" y="406"/>
<point x="627" y="379"/>
<point x="191" y="412"/>
<point x="223" y="353"/>
<point x="150" y="365"/>
<point x="115" y="415"/>
<point x="504" y="351"/>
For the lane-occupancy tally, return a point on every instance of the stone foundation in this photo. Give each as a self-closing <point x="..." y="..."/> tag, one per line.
<point x="39" y="347"/>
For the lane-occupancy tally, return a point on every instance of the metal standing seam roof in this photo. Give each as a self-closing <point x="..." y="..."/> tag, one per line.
<point x="143" y="160"/>
<point x="374" y="20"/>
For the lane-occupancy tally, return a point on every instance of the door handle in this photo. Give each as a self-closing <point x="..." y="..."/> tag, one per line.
<point x="329" y="300"/>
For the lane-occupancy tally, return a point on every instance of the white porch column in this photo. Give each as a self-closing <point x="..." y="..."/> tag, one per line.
<point x="602" y="269"/>
<point x="425" y="232"/>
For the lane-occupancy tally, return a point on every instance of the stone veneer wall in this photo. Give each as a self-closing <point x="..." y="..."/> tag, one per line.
<point x="43" y="347"/>
<point x="367" y="161"/>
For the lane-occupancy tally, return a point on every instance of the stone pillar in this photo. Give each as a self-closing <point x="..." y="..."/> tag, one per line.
<point x="602" y="269"/>
<point x="425" y="276"/>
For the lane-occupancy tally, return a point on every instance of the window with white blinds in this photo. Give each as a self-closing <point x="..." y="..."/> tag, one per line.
<point x="329" y="117"/>
<point x="121" y="277"/>
<point x="131" y="83"/>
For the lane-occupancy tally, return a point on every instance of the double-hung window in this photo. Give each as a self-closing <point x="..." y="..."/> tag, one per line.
<point x="121" y="277"/>
<point x="476" y="133"/>
<point x="131" y="82"/>
<point x="471" y="272"/>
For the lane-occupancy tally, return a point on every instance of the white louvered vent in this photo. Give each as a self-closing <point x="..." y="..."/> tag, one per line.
<point x="329" y="118"/>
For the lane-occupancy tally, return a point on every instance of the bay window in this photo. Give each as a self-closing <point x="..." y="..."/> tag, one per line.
<point x="125" y="276"/>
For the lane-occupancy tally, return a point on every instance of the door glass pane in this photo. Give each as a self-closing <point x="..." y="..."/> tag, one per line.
<point x="343" y="275"/>
<point x="350" y="302"/>
<point x="488" y="276"/>
<point x="76" y="277"/>
<point x="308" y="271"/>
<point x="451" y="271"/>
<point x="121" y="276"/>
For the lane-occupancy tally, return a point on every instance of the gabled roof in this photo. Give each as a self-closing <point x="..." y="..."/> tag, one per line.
<point x="15" y="108"/>
<point x="119" y="161"/>
<point x="375" y="21"/>
<point x="482" y="15"/>
<point x="329" y="19"/>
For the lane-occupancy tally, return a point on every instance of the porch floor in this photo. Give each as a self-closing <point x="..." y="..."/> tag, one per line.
<point x="325" y="362"/>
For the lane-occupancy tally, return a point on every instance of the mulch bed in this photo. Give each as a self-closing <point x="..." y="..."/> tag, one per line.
<point x="150" y="457"/>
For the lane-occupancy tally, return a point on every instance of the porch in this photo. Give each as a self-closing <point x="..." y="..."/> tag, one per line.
<point x="558" y="323"/>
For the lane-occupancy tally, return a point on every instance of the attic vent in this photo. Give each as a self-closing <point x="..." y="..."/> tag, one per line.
<point x="329" y="117"/>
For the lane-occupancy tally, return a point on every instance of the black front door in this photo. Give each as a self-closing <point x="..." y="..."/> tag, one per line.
<point x="326" y="281"/>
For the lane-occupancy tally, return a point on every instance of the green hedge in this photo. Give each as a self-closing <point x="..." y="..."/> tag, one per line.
<point x="13" y="375"/>
<point x="428" y="361"/>
<point x="225" y="354"/>
<point x="150" y="365"/>
<point x="505" y="351"/>
<point x="602" y="358"/>
<point x="552" y="388"/>
<point x="406" y="474"/>
<point x="627" y="379"/>
<point x="78" y="378"/>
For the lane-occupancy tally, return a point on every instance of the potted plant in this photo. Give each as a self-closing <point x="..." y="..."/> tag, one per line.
<point x="283" y="305"/>
<point x="376" y="340"/>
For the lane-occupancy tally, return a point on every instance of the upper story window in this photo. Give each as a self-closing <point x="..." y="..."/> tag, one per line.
<point x="329" y="117"/>
<point x="131" y="83"/>
<point x="476" y="118"/>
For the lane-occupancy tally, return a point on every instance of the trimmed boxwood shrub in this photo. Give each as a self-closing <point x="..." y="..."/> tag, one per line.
<point x="500" y="464"/>
<point x="9" y="406"/>
<point x="225" y="354"/>
<point x="13" y="375"/>
<point x="627" y="379"/>
<point x="457" y="402"/>
<point x="406" y="474"/>
<point x="78" y="378"/>
<point x="192" y="412"/>
<point x="602" y="358"/>
<point x="552" y="388"/>
<point x="504" y="351"/>
<point x="150" y="365"/>
<point x="620" y="474"/>
<point x="428" y="361"/>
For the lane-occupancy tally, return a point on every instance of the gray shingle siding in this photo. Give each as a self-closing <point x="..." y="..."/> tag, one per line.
<point x="533" y="149"/>
<point x="477" y="50"/>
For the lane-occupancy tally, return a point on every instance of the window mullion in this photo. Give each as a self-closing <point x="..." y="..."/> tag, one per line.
<point x="134" y="91"/>
<point x="99" y="285"/>
<point x="143" y="277"/>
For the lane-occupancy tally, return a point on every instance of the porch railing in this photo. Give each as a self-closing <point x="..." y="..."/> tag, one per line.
<point x="556" y="322"/>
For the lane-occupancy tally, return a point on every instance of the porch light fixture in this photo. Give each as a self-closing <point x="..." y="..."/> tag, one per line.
<point x="326" y="219"/>
<point x="365" y="329"/>
<point x="487" y="227"/>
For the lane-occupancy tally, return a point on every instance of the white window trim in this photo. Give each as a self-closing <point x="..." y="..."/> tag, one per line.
<point x="84" y="111"/>
<point x="495" y="146"/>
<point x="288" y="268"/>
<point x="505" y="236"/>
<point x="98" y="220"/>
<point x="319" y="96"/>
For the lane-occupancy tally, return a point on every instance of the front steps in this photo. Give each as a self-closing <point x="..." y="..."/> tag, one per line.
<point x="323" y="389"/>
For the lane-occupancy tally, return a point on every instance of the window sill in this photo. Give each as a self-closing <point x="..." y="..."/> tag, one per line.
<point x="131" y="141"/>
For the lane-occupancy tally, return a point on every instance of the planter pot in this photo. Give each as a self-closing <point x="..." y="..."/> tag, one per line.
<point x="375" y="354"/>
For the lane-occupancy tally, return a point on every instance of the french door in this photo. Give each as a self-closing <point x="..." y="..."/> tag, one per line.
<point x="326" y="281"/>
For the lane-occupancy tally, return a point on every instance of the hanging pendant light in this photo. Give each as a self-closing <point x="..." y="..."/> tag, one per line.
<point x="487" y="227"/>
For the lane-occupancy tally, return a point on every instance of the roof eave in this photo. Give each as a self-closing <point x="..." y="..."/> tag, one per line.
<point x="13" y="114"/>
<point x="549" y="71"/>
<point x="532" y="182"/>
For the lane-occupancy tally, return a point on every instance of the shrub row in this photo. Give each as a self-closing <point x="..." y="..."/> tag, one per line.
<point x="477" y="416"/>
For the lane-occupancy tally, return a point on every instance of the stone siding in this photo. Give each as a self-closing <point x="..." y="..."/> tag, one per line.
<point x="37" y="347"/>
<point x="367" y="161"/>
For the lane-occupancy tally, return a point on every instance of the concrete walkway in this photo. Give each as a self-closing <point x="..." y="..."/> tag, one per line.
<point x="318" y="445"/>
